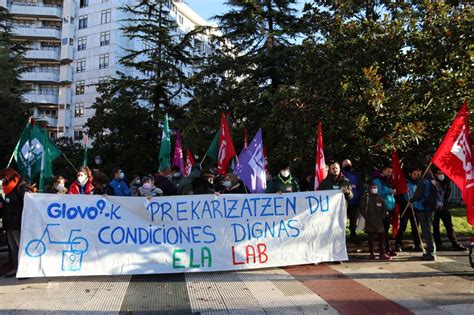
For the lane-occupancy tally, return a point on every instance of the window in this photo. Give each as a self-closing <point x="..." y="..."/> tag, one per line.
<point x="79" y="110"/>
<point x="105" y="16"/>
<point x="103" y="61"/>
<point x="82" y="22"/>
<point x="81" y="43"/>
<point x="80" y="87"/>
<point x="77" y="133"/>
<point x="103" y="80"/>
<point x="180" y="19"/>
<point x="81" y="65"/>
<point x="104" y="38"/>
<point x="83" y="3"/>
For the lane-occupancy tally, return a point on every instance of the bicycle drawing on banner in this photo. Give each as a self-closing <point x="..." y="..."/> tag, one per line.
<point x="71" y="257"/>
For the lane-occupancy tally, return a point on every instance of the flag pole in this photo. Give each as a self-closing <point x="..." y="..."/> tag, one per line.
<point x="202" y="161"/>
<point x="70" y="163"/>
<point x="11" y="159"/>
<point x="416" y="228"/>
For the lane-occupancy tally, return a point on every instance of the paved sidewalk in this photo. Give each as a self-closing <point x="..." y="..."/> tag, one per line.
<point x="404" y="286"/>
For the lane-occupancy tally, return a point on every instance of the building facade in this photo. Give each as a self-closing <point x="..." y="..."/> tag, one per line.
<point x="72" y="46"/>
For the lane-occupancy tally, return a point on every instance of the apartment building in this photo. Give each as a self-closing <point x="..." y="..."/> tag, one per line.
<point x="72" y="46"/>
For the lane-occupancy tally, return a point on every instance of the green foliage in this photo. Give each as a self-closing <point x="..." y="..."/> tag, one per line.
<point x="13" y="112"/>
<point x="380" y="75"/>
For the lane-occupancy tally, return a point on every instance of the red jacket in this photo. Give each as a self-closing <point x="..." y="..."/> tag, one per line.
<point x="74" y="189"/>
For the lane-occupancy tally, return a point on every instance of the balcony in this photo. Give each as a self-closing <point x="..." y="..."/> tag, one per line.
<point x="65" y="75"/>
<point x="39" y="98"/>
<point x="51" y="121"/>
<point x="43" y="54"/>
<point x="34" y="9"/>
<point x="37" y="32"/>
<point x="40" y="76"/>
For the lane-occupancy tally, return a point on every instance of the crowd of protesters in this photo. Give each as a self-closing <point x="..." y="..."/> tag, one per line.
<point x="373" y="202"/>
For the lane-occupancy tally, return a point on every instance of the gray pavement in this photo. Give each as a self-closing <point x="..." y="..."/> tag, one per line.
<point x="360" y="286"/>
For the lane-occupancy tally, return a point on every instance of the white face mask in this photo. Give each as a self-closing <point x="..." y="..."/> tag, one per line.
<point x="374" y="190"/>
<point x="121" y="175"/>
<point x="59" y="187"/>
<point x="177" y="174"/>
<point x="285" y="173"/>
<point x="227" y="183"/>
<point x="137" y="182"/>
<point x="441" y="177"/>
<point x="82" y="179"/>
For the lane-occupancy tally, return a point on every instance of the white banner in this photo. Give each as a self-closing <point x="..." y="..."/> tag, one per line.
<point x="69" y="235"/>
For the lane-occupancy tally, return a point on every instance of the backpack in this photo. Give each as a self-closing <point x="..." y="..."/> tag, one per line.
<point x="433" y="196"/>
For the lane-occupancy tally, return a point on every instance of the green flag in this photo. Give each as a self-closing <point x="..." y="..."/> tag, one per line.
<point x="213" y="150"/>
<point x="35" y="153"/>
<point x="165" y="147"/>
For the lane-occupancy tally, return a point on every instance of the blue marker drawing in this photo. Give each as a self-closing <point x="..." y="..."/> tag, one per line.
<point x="71" y="258"/>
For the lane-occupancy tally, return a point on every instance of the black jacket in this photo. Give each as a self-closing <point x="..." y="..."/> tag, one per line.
<point x="330" y="183"/>
<point x="13" y="207"/>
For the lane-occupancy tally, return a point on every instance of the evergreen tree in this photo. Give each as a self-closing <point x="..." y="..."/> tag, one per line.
<point x="13" y="111"/>
<point x="256" y="58"/>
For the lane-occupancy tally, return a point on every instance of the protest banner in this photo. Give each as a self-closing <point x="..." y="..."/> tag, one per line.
<point x="70" y="235"/>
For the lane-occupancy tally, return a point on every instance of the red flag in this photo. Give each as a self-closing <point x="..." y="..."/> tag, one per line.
<point x="395" y="220"/>
<point x="454" y="158"/>
<point x="398" y="180"/>
<point x="320" y="168"/>
<point x="226" y="147"/>
<point x="189" y="162"/>
<point x="400" y="185"/>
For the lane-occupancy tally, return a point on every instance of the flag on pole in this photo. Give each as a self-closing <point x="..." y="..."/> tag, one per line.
<point x="35" y="153"/>
<point x="454" y="158"/>
<point x="251" y="166"/>
<point x="226" y="147"/>
<point x="189" y="162"/>
<point x="213" y="150"/>
<point x="178" y="153"/>
<point x="86" y="143"/>
<point x="165" y="147"/>
<point x="400" y="185"/>
<point x="320" y="168"/>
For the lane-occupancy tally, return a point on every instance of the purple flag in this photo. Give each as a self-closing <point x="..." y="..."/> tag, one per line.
<point x="178" y="153"/>
<point x="251" y="166"/>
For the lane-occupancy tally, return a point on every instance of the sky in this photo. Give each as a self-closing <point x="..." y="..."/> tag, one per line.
<point x="209" y="8"/>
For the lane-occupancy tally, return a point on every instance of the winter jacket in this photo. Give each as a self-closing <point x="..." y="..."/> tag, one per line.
<point x="239" y="188"/>
<point x="185" y="185"/>
<point x="373" y="208"/>
<point x="201" y="186"/>
<point x="331" y="183"/>
<point x="356" y="186"/>
<point x="77" y="189"/>
<point x="418" y="191"/>
<point x="165" y="185"/>
<point x="13" y="207"/>
<point x="285" y="185"/>
<point x="152" y="192"/>
<point x="118" y="187"/>
<point x="386" y="192"/>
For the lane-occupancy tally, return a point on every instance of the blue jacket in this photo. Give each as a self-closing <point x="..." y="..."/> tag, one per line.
<point x="356" y="186"/>
<point x="417" y="193"/>
<point x="386" y="192"/>
<point x="119" y="188"/>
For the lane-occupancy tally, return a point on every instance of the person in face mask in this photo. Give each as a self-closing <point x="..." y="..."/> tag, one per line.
<point x="148" y="188"/>
<point x="442" y="212"/>
<point x="83" y="183"/>
<point x="373" y="208"/>
<point x="135" y="184"/>
<point x="118" y="186"/>
<point x="337" y="181"/>
<point x="232" y="185"/>
<point x="284" y="182"/>
<point x="204" y="184"/>
<point x="58" y="186"/>
<point x="176" y="175"/>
